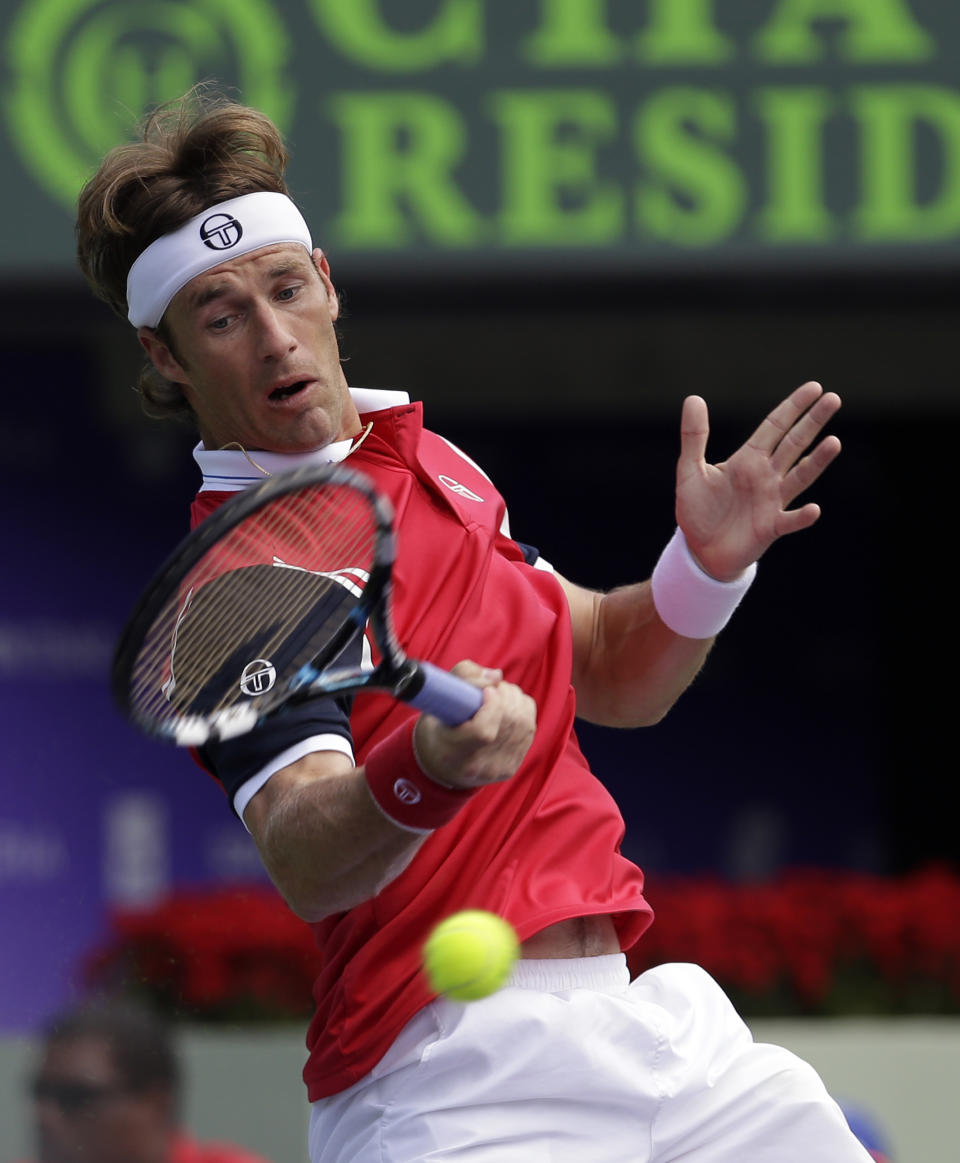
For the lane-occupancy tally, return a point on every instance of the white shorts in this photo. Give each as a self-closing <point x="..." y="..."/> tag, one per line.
<point x="573" y="1063"/>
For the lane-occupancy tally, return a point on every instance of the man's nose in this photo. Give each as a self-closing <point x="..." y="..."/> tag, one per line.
<point x="276" y="338"/>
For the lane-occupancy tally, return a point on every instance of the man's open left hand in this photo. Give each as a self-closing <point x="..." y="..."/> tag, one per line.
<point x="730" y="513"/>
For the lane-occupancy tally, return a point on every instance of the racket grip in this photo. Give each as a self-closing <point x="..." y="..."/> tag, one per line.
<point x="452" y="699"/>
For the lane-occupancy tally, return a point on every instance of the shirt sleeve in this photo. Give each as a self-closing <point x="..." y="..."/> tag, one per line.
<point x="245" y="763"/>
<point x="531" y="555"/>
<point x="521" y="552"/>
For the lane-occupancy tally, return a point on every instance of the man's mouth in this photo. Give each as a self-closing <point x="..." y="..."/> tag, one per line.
<point x="285" y="391"/>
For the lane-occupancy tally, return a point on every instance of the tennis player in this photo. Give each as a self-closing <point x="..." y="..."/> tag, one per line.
<point x="375" y="822"/>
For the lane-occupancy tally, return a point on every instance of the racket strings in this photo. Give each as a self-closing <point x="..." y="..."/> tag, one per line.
<point x="260" y="611"/>
<point x="271" y="593"/>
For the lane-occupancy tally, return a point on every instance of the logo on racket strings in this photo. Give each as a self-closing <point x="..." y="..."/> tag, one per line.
<point x="258" y="677"/>
<point x="406" y="792"/>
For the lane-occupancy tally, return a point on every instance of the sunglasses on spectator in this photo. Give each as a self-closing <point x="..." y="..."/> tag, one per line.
<point x="73" y="1097"/>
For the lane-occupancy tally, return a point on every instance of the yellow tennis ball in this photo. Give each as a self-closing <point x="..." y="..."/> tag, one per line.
<point x="470" y="954"/>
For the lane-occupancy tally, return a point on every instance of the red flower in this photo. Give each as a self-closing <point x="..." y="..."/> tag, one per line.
<point x="811" y="942"/>
<point x="816" y="941"/>
<point x="223" y="952"/>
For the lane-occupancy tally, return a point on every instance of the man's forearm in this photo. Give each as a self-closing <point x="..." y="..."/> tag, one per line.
<point x="629" y="668"/>
<point x="325" y="843"/>
<point x="333" y="835"/>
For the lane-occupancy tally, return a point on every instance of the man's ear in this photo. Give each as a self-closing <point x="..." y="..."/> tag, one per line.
<point x="160" y="356"/>
<point x="323" y="270"/>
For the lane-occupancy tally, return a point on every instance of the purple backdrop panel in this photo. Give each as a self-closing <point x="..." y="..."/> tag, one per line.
<point x="92" y="814"/>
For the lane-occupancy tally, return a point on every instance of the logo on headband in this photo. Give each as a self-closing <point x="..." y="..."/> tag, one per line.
<point x="221" y="231"/>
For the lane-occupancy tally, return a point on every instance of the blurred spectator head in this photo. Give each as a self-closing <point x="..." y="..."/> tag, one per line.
<point x="106" y="1087"/>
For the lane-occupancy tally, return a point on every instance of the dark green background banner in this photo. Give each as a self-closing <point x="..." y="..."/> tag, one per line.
<point x="459" y="136"/>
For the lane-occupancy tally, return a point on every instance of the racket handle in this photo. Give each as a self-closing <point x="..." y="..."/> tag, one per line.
<point x="452" y="699"/>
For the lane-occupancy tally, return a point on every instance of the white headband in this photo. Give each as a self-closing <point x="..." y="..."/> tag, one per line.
<point x="221" y="232"/>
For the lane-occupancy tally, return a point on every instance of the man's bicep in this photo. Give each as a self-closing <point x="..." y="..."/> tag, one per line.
<point x="584" y="608"/>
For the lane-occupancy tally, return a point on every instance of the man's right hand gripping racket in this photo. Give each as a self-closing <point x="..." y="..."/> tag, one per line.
<point x="255" y="608"/>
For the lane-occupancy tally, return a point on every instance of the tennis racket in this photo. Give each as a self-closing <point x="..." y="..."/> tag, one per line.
<point x="259" y="607"/>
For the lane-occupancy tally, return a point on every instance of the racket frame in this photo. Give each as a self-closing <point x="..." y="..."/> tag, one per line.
<point x="395" y="673"/>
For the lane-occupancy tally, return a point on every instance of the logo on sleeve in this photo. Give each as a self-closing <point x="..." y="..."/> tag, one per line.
<point x="459" y="489"/>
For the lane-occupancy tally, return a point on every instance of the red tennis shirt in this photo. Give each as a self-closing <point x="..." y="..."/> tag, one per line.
<point x="537" y="849"/>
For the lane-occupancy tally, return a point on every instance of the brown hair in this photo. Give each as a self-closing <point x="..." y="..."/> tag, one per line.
<point x="141" y="1043"/>
<point x="191" y="153"/>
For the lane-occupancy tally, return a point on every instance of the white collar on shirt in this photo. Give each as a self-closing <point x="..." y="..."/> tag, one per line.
<point x="228" y="470"/>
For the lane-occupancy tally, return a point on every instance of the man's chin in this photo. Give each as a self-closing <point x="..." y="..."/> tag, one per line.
<point x="308" y="436"/>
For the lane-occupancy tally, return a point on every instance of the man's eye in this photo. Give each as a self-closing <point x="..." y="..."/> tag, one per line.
<point x="287" y="293"/>
<point x="219" y="324"/>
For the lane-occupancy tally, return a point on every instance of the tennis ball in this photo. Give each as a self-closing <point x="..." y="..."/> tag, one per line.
<point x="470" y="954"/>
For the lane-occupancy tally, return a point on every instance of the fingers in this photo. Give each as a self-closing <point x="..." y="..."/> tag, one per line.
<point x="785" y="435"/>
<point x="806" y="471"/>
<point x="490" y="746"/>
<point x="694" y="431"/>
<point x="786" y="415"/>
<point x="473" y="672"/>
<point x="805" y="431"/>
<point x="793" y="520"/>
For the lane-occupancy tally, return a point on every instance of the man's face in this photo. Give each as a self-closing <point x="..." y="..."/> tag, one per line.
<point x="84" y="1114"/>
<point x="256" y="352"/>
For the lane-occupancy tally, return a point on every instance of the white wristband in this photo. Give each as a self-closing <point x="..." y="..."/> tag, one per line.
<point x="689" y="601"/>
